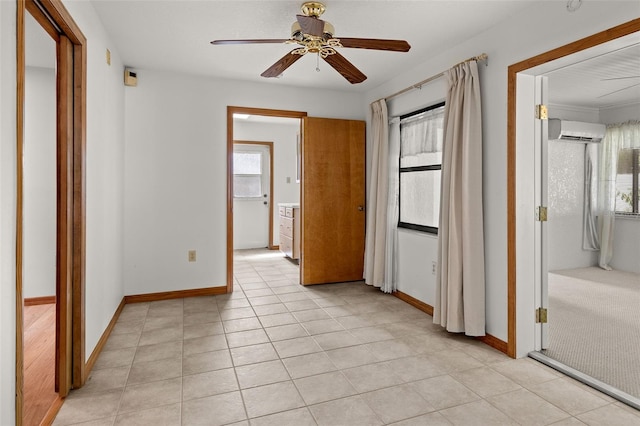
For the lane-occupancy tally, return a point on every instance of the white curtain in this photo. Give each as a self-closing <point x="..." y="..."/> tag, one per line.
<point x="391" y="255"/>
<point x="590" y="229"/>
<point x="460" y="285"/>
<point x="376" y="232"/>
<point x="617" y="137"/>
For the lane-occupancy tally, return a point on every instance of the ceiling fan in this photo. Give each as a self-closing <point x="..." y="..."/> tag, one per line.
<point x="316" y="36"/>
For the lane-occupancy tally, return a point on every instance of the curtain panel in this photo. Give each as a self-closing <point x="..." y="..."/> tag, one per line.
<point x="460" y="280"/>
<point x="617" y="137"/>
<point x="376" y="231"/>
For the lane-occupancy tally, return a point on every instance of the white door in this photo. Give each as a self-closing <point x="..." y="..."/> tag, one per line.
<point x="541" y="200"/>
<point x="251" y="197"/>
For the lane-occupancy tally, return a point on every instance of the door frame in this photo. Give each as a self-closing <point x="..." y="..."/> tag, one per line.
<point x="251" y="111"/>
<point x="512" y="257"/>
<point x="70" y="198"/>
<point x="269" y="146"/>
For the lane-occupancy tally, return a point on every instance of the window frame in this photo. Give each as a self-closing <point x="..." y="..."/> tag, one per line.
<point x="635" y="186"/>
<point x="260" y="175"/>
<point x="432" y="167"/>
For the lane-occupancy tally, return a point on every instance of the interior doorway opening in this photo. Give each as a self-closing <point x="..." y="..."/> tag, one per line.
<point x="526" y="273"/>
<point x="69" y="160"/>
<point x="283" y="186"/>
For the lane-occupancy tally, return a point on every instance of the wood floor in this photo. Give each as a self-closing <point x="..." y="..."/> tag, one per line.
<point x="39" y="361"/>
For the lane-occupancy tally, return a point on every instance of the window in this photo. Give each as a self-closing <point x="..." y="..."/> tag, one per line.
<point x="627" y="194"/>
<point x="247" y="174"/>
<point x="421" y="136"/>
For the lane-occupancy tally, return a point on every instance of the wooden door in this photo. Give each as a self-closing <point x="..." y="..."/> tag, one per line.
<point x="332" y="200"/>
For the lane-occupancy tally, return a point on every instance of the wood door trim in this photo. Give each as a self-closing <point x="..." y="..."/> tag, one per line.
<point x="43" y="300"/>
<point x="270" y="146"/>
<point x="20" y="95"/>
<point x="72" y="131"/>
<point x="251" y="111"/>
<point x="64" y="217"/>
<point x="42" y="19"/>
<point x="568" y="49"/>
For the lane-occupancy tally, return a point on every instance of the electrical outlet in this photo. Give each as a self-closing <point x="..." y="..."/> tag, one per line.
<point x="192" y="255"/>
<point x="434" y="266"/>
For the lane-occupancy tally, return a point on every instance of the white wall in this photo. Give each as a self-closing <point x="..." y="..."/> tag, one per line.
<point x="284" y="138"/>
<point x="620" y="114"/>
<point x="8" y="210"/>
<point x="39" y="245"/>
<point x="175" y="171"/>
<point x="507" y="43"/>
<point x="566" y="195"/>
<point x="417" y="251"/>
<point x="104" y="175"/>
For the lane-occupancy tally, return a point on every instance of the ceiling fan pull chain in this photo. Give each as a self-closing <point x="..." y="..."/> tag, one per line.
<point x="318" y="62"/>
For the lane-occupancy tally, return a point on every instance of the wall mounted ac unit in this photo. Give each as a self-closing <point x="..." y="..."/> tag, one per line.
<point x="576" y="131"/>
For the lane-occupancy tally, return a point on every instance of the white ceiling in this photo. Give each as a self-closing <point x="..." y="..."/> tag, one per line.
<point x="175" y="35"/>
<point x="601" y="77"/>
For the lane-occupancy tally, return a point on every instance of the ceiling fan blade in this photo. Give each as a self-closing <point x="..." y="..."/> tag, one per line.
<point x="346" y="68"/>
<point x="376" y="44"/>
<point x="310" y="25"/>
<point x="278" y="68"/>
<point x="250" y="41"/>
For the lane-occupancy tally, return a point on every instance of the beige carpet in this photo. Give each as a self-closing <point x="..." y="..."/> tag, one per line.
<point x="594" y="324"/>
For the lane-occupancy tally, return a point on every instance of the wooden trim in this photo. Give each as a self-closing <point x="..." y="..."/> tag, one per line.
<point x="53" y="411"/>
<point x="230" y="112"/>
<point x="621" y="30"/>
<point x="177" y="294"/>
<point x="44" y="300"/>
<point x="42" y="19"/>
<point x="20" y="96"/>
<point x="495" y="343"/>
<point x="419" y="304"/>
<point x="488" y="339"/>
<point x="71" y="111"/>
<point x="103" y="339"/>
<point x="251" y="111"/>
<point x="61" y="17"/>
<point x="511" y="214"/>
<point x="64" y="254"/>
<point x="271" y="150"/>
<point x="79" y="374"/>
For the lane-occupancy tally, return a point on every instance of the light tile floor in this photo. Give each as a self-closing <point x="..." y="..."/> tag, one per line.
<point x="277" y="353"/>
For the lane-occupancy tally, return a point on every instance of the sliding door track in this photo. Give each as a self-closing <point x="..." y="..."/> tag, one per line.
<point x="616" y="393"/>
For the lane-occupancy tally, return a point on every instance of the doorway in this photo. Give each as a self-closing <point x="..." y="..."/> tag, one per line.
<point x="39" y="243"/>
<point x="232" y="136"/>
<point x="332" y="190"/>
<point x="253" y="194"/>
<point x="68" y="158"/>
<point x="525" y="271"/>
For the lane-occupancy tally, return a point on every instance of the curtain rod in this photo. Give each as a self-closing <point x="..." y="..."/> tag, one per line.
<point x="481" y="57"/>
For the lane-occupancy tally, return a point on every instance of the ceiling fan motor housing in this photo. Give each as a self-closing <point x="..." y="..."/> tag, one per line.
<point x="312" y="8"/>
<point x="298" y="35"/>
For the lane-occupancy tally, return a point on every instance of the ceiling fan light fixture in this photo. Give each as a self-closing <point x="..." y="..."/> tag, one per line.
<point x="314" y="35"/>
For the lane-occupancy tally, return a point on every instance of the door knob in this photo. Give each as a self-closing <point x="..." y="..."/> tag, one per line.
<point x="360" y="208"/>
